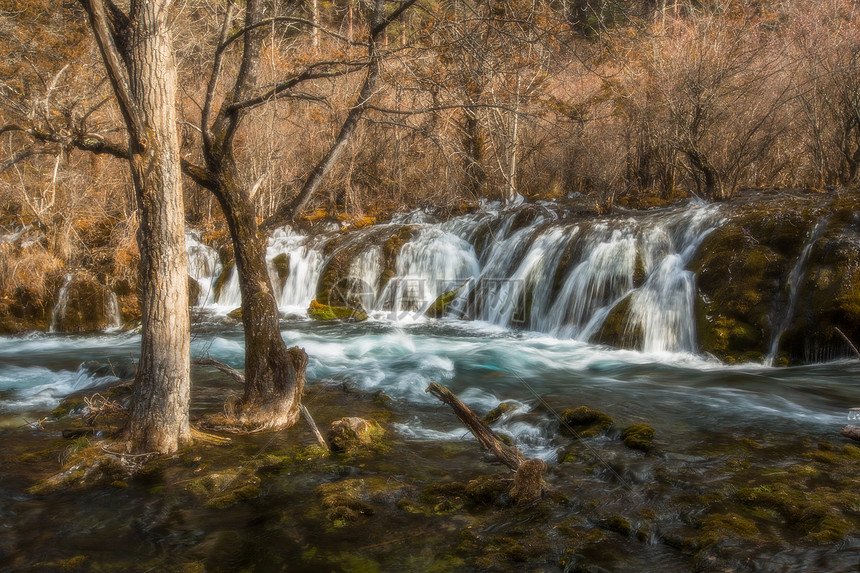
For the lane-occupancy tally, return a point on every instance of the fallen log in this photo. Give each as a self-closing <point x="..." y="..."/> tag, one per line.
<point x="528" y="484"/>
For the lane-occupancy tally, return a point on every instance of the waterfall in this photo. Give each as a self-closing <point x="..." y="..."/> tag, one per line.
<point x="114" y="317"/>
<point x="528" y="268"/>
<point x="295" y="263"/>
<point x="204" y="266"/>
<point x="794" y="277"/>
<point x="435" y="262"/>
<point x="60" y="306"/>
<point x="366" y="272"/>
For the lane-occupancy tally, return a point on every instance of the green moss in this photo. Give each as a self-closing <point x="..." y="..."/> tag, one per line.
<point x="619" y="525"/>
<point x="347" y="500"/>
<point x="585" y="422"/>
<point x="324" y="312"/>
<point x="440" y="306"/>
<point x="638" y="437"/>
<point x="496" y="413"/>
<point x="488" y="490"/>
<point x="67" y="406"/>
<point x="720" y="526"/>
<point x="222" y="489"/>
<point x="350" y="434"/>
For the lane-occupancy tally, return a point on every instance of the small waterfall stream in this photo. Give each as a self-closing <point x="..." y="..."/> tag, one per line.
<point x="60" y="306"/>
<point x="783" y="320"/>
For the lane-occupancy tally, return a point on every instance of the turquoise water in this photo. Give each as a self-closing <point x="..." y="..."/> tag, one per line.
<point x="676" y="393"/>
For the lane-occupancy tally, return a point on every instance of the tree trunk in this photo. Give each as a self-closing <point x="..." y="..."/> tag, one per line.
<point x="159" y="411"/>
<point x="137" y="52"/>
<point x="274" y="374"/>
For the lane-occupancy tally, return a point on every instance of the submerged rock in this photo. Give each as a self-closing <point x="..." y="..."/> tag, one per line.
<point x="638" y="437"/>
<point x="585" y="422"/>
<point x="348" y="434"/>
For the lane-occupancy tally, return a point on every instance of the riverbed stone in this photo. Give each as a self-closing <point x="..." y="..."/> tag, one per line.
<point x="585" y="422"/>
<point x="352" y="433"/>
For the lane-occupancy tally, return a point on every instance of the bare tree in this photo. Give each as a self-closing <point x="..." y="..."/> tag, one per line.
<point x="274" y="375"/>
<point x="137" y="52"/>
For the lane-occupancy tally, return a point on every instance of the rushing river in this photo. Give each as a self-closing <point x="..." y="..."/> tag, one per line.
<point x="684" y="396"/>
<point x="536" y="289"/>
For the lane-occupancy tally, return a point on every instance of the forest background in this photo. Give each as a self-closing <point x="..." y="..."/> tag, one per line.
<point x="634" y="104"/>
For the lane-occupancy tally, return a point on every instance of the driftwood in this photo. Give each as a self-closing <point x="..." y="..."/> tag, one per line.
<point x="510" y="456"/>
<point x="228" y="370"/>
<point x="528" y="483"/>
<point x="852" y="432"/>
<point x="240" y="378"/>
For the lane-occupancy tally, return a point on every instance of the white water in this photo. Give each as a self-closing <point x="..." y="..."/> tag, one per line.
<point x="794" y="278"/>
<point x="546" y="276"/>
<point x="204" y="266"/>
<point x="60" y="305"/>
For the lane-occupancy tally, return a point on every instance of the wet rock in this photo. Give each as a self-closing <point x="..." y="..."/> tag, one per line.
<point x="318" y="311"/>
<point x="348" y="434"/>
<point x="282" y="266"/>
<point x="194" y="291"/>
<point x="496" y="413"/>
<point x="222" y="489"/>
<point x="619" y="330"/>
<point x="82" y="306"/>
<point x="348" y="500"/>
<point x="638" y="437"/>
<point x="585" y="422"/>
<point x="440" y="306"/>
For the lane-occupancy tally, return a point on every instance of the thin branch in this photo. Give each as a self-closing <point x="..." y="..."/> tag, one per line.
<point x="117" y="71"/>
<point x="213" y="80"/>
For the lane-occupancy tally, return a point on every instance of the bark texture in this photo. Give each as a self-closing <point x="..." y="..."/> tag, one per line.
<point x="138" y="54"/>
<point x="159" y="412"/>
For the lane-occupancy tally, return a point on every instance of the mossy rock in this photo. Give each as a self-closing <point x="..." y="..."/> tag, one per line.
<point x="619" y="329"/>
<point x="85" y="308"/>
<point x="638" y="437"/>
<point x="348" y="500"/>
<point x="585" y="422"/>
<point x="496" y="413"/>
<point x="619" y="525"/>
<point x="349" y="434"/>
<point x="235" y="315"/>
<point x="719" y="527"/>
<point x="282" y="266"/>
<point x="440" y="306"/>
<point x="86" y="464"/>
<point x="222" y="489"/>
<point x="324" y="312"/>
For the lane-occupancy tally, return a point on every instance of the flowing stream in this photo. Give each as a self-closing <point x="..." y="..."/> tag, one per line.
<point x="528" y="299"/>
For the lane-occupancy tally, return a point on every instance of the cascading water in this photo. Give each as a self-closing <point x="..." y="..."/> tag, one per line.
<point x="794" y="278"/>
<point x="113" y="312"/>
<point x="60" y="306"/>
<point x="433" y="263"/>
<point x="204" y="266"/>
<point x="295" y="264"/>
<point x="534" y="272"/>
